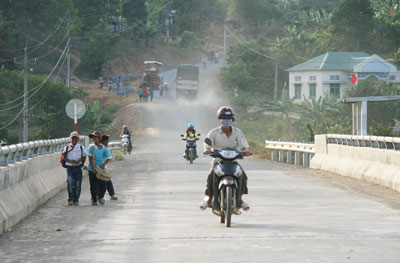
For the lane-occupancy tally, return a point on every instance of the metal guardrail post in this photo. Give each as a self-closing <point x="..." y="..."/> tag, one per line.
<point x="289" y="157"/>
<point x="298" y="158"/>
<point x="306" y="161"/>
<point x="274" y="155"/>
<point x="281" y="156"/>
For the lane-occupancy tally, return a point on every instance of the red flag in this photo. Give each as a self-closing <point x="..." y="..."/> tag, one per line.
<point x="353" y="78"/>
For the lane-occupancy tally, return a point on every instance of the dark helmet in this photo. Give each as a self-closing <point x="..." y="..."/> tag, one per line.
<point x="225" y="112"/>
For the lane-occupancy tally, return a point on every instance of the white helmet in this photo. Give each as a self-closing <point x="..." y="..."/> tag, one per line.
<point x="124" y="126"/>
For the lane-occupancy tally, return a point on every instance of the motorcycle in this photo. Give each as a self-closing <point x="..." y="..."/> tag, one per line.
<point x="228" y="171"/>
<point x="125" y="143"/>
<point x="190" y="153"/>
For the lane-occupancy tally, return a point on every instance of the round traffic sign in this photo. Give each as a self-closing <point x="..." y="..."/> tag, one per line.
<point x="80" y="108"/>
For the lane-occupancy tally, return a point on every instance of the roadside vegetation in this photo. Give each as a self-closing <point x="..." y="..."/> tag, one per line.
<point x="100" y="31"/>
<point x="287" y="33"/>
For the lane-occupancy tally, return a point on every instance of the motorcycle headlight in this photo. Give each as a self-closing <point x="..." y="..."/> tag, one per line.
<point x="238" y="171"/>
<point x="218" y="170"/>
<point x="228" y="154"/>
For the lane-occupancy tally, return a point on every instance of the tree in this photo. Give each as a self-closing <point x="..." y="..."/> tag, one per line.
<point x="195" y="16"/>
<point x="353" y="22"/>
<point x="135" y="12"/>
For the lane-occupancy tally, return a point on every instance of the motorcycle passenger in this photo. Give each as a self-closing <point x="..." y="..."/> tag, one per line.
<point x="126" y="131"/>
<point x="224" y="136"/>
<point x="190" y="132"/>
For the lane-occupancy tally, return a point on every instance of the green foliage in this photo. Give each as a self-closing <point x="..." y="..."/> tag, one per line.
<point x="196" y="16"/>
<point x="95" y="55"/>
<point x="188" y="39"/>
<point x="97" y="117"/>
<point x="352" y="21"/>
<point x="383" y="113"/>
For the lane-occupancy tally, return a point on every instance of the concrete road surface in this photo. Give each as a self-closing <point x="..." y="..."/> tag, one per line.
<point x="294" y="216"/>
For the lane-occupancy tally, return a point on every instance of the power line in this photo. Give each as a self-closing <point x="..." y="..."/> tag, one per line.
<point x="37" y="46"/>
<point x="37" y="88"/>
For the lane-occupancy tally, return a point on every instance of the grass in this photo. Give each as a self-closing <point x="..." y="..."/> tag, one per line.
<point x="257" y="127"/>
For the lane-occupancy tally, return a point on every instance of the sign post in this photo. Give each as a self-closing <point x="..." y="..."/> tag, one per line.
<point x="75" y="109"/>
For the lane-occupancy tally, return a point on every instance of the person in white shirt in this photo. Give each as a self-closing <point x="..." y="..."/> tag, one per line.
<point x="223" y="136"/>
<point x="74" y="156"/>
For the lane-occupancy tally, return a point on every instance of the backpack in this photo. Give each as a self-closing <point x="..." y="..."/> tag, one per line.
<point x="64" y="154"/>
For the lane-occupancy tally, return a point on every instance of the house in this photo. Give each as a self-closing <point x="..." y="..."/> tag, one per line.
<point x="331" y="74"/>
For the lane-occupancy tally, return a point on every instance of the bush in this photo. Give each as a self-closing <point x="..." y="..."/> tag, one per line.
<point x="188" y="39"/>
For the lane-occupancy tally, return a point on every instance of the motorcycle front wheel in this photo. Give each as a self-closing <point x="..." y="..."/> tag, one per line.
<point x="228" y="211"/>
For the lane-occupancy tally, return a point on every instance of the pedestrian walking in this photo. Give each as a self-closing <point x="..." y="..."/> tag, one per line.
<point x="74" y="156"/>
<point x="204" y="60"/>
<point x="141" y="92"/>
<point x="101" y="82"/>
<point x="109" y="85"/>
<point x="146" y="93"/>
<point x="109" y="185"/>
<point x="151" y="93"/>
<point x="101" y="157"/>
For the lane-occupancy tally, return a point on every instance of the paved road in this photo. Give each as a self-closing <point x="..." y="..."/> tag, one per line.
<point x="294" y="216"/>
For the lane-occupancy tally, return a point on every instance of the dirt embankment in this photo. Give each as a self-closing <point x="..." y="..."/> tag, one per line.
<point x="128" y="114"/>
<point x="134" y="64"/>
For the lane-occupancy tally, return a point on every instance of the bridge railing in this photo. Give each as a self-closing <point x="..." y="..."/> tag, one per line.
<point x="22" y="151"/>
<point x="14" y="153"/>
<point x="380" y="142"/>
<point x="291" y="152"/>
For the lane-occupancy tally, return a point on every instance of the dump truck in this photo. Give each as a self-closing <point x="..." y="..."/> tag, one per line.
<point x="187" y="81"/>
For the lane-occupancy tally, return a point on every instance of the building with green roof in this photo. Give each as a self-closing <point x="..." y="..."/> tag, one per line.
<point x="332" y="73"/>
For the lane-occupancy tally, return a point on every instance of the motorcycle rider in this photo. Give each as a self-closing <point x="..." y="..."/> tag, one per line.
<point x="126" y="131"/>
<point x="223" y="136"/>
<point x="190" y="132"/>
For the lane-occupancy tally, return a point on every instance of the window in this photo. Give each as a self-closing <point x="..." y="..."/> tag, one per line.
<point x="392" y="77"/>
<point x="312" y="90"/>
<point x="334" y="77"/>
<point x="334" y="90"/>
<point x="313" y="78"/>
<point x="297" y="78"/>
<point x="297" y="91"/>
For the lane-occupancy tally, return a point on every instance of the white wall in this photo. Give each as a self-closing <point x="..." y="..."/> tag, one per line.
<point x="322" y="83"/>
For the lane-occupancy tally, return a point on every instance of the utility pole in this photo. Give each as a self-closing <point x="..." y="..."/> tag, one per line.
<point x="25" y="129"/>
<point x="225" y="42"/>
<point x="276" y="79"/>
<point x="25" y="114"/>
<point x="167" y="22"/>
<point x="68" y="19"/>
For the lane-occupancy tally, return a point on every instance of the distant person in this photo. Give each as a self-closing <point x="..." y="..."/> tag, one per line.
<point x="110" y="85"/>
<point x="128" y="132"/>
<point x="161" y="90"/>
<point x="165" y="88"/>
<point x="212" y="56"/>
<point x="101" y="82"/>
<point x="101" y="157"/>
<point x="204" y="60"/>
<point x="146" y="93"/>
<point x="109" y="185"/>
<point x="151" y="93"/>
<point x="74" y="156"/>
<point x="141" y="92"/>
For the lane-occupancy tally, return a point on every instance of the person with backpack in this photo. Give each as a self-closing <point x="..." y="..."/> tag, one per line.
<point x="73" y="158"/>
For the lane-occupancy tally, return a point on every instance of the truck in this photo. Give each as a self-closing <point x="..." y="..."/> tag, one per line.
<point x="151" y="76"/>
<point x="187" y="81"/>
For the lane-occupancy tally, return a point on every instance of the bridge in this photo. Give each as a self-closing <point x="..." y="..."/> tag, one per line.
<point x="298" y="214"/>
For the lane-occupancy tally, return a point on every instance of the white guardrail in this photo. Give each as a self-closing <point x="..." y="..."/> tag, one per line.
<point x="23" y="151"/>
<point x="291" y="152"/>
<point x="380" y="142"/>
